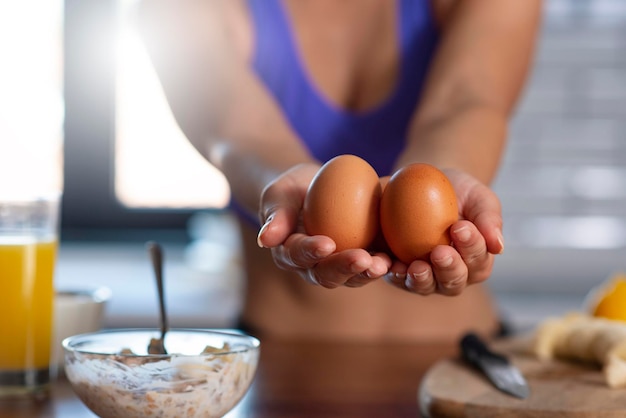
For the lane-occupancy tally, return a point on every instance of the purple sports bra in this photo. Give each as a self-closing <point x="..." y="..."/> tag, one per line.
<point x="377" y="135"/>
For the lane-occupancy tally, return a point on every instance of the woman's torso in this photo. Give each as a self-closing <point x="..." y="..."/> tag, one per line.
<point x="281" y="304"/>
<point x="346" y="86"/>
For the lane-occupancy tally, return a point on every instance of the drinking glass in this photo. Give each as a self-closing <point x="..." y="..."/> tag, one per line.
<point x="28" y="247"/>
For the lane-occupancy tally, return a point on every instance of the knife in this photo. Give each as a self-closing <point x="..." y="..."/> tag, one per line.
<point x="498" y="369"/>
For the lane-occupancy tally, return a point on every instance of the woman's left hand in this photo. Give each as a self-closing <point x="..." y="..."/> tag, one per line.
<point x="476" y="238"/>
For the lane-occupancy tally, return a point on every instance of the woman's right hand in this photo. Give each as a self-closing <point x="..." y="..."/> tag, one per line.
<point x="311" y="257"/>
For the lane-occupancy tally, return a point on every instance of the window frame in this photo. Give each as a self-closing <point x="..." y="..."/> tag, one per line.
<point x="89" y="200"/>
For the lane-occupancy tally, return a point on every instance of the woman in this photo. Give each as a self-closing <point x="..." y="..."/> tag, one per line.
<point x="268" y="90"/>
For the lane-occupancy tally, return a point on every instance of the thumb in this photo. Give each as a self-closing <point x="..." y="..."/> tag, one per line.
<point x="483" y="209"/>
<point x="278" y="225"/>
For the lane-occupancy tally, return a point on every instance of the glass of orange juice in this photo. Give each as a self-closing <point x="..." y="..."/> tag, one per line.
<point x="28" y="247"/>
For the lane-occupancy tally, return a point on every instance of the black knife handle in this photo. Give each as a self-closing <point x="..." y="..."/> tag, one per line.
<point x="473" y="350"/>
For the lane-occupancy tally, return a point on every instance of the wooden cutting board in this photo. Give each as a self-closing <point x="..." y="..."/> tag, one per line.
<point x="558" y="389"/>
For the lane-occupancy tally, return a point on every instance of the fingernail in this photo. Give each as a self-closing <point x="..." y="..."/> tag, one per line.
<point x="420" y="277"/>
<point x="259" y="238"/>
<point x="501" y="242"/>
<point x="416" y="280"/>
<point x="374" y="274"/>
<point x="444" y="262"/>
<point x="463" y="234"/>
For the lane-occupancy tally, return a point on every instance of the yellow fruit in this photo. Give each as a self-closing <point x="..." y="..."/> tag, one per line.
<point x="609" y="300"/>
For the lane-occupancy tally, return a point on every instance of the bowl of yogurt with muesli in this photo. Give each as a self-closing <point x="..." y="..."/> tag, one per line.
<point x="205" y="373"/>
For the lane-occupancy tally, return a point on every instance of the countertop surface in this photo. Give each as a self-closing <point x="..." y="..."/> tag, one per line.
<point x="305" y="379"/>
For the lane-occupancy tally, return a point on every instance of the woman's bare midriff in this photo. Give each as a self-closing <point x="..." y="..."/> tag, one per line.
<point x="283" y="305"/>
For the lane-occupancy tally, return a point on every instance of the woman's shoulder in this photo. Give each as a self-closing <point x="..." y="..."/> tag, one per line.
<point x="224" y="23"/>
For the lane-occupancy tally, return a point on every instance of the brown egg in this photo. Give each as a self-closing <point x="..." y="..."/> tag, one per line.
<point x="343" y="202"/>
<point x="417" y="209"/>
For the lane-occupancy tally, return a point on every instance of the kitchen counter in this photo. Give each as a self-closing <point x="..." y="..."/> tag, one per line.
<point x="307" y="380"/>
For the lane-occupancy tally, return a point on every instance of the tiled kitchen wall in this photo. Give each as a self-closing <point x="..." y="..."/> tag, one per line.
<point x="563" y="180"/>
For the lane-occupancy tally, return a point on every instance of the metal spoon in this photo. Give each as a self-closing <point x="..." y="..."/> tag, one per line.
<point x="157" y="345"/>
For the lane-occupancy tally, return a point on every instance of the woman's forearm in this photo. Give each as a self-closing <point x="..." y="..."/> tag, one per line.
<point x="473" y="84"/>
<point x="249" y="169"/>
<point x="218" y="103"/>
<point x="471" y="139"/>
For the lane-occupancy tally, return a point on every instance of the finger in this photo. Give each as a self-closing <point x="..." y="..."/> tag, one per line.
<point x="359" y="280"/>
<point x="335" y="270"/>
<point x="397" y="275"/>
<point x="302" y="251"/>
<point x="381" y="263"/>
<point x="420" y="279"/>
<point x="416" y="278"/>
<point x="380" y="266"/>
<point x="309" y="276"/>
<point x="490" y="226"/>
<point x="396" y="279"/>
<point x="280" y="204"/>
<point x="279" y="223"/>
<point x="449" y="270"/>
<point x="471" y="246"/>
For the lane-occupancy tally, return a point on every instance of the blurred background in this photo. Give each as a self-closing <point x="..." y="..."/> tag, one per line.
<point x="130" y="176"/>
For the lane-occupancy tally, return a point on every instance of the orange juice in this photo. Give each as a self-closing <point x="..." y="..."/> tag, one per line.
<point x="26" y="300"/>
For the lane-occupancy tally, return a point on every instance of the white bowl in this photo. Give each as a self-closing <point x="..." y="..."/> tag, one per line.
<point x="205" y="374"/>
<point x="76" y="311"/>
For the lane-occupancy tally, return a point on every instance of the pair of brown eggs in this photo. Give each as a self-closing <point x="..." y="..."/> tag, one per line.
<point x="407" y="214"/>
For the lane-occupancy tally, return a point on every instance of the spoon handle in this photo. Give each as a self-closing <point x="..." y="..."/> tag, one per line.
<point x="156" y="255"/>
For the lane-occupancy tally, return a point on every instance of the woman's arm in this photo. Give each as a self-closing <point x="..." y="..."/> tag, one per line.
<point x="200" y="56"/>
<point x="473" y="84"/>
<point x="461" y="127"/>
<point x="199" y="49"/>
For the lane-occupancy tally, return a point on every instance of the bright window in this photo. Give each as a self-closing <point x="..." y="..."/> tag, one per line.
<point x="155" y="165"/>
<point x="31" y="96"/>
